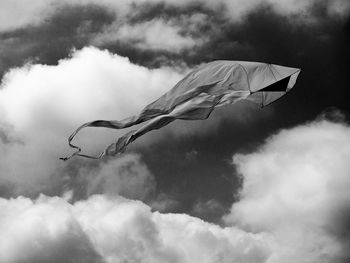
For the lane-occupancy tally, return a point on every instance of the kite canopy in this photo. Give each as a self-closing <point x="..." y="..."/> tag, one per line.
<point x="194" y="97"/>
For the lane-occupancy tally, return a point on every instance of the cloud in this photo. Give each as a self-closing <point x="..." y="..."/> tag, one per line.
<point x="15" y="14"/>
<point x="40" y="105"/>
<point x="39" y="10"/>
<point x="162" y="25"/>
<point x="296" y="187"/>
<point x="104" y="229"/>
<point x="151" y="35"/>
<point x="127" y="176"/>
<point x="298" y="10"/>
<point x="44" y="231"/>
<point x="291" y="209"/>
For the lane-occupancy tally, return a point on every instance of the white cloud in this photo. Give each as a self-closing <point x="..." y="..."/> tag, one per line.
<point x="295" y="187"/>
<point x="156" y="34"/>
<point x="116" y="230"/>
<point x="40" y="105"/>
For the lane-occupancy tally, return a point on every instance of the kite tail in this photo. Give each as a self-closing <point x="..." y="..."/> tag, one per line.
<point x="77" y="152"/>
<point x="78" y="149"/>
<point x="199" y="107"/>
<point x="147" y="113"/>
<point x="98" y="123"/>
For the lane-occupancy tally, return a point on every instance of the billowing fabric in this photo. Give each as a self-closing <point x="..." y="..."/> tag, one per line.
<point x="194" y="97"/>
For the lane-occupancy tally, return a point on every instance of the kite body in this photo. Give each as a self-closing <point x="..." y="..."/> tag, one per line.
<point x="194" y="97"/>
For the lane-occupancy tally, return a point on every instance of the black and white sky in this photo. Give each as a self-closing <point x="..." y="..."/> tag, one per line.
<point x="249" y="184"/>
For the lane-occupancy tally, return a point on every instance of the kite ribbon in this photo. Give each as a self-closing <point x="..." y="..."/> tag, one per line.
<point x="197" y="108"/>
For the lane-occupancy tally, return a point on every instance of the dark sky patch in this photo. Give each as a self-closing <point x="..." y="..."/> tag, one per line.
<point x="320" y="50"/>
<point x="211" y="174"/>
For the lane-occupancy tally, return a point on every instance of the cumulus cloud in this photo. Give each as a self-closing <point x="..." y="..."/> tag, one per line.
<point x="294" y="193"/>
<point x="104" y="229"/>
<point x="40" y="105"/>
<point x="296" y="187"/>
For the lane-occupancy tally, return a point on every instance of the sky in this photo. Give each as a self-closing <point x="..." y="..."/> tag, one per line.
<point x="248" y="184"/>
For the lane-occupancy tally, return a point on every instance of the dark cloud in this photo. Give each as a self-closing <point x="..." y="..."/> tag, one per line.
<point x="53" y="39"/>
<point x="332" y="114"/>
<point x="144" y="12"/>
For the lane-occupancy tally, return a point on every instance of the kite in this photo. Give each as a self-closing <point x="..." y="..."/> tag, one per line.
<point x="194" y="97"/>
